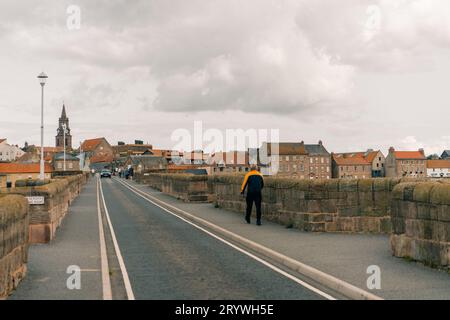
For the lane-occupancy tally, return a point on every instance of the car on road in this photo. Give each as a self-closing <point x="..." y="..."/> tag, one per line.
<point x="105" y="173"/>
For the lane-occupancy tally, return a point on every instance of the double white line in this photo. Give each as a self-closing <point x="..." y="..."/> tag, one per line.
<point x="106" y="282"/>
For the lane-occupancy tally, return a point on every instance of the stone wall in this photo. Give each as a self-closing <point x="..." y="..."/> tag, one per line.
<point x="189" y="188"/>
<point x="339" y="205"/>
<point x="46" y="218"/>
<point x="14" y="221"/>
<point x="421" y="222"/>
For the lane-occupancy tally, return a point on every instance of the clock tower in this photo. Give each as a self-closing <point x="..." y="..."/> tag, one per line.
<point x="63" y="124"/>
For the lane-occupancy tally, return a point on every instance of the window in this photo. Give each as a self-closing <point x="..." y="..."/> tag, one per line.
<point x="287" y="158"/>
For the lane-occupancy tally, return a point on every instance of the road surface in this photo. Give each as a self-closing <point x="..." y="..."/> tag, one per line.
<point x="165" y="257"/>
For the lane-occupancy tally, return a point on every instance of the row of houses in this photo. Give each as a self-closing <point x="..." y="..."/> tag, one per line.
<point x="286" y="159"/>
<point x="297" y="160"/>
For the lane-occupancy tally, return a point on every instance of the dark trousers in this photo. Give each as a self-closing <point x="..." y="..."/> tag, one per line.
<point x="253" y="197"/>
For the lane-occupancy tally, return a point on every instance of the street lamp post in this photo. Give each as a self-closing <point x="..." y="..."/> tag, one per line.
<point x="42" y="79"/>
<point x="64" y="143"/>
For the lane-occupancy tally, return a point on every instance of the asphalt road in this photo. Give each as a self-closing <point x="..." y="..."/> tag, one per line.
<point x="167" y="258"/>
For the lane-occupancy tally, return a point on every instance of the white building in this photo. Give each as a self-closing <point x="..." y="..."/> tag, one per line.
<point x="8" y="152"/>
<point x="438" y="168"/>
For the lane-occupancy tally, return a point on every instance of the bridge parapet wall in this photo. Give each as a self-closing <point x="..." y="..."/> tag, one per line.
<point x="46" y="218"/>
<point x="316" y="205"/>
<point x="14" y="220"/>
<point x="421" y="222"/>
<point x="189" y="188"/>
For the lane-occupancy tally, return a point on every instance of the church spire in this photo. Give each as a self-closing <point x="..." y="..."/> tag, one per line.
<point x="63" y="113"/>
<point x="63" y="131"/>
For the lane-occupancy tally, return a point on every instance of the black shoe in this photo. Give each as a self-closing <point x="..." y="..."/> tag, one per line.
<point x="247" y="220"/>
<point x="258" y="223"/>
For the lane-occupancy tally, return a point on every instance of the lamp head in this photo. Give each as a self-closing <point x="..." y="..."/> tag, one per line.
<point x="42" y="77"/>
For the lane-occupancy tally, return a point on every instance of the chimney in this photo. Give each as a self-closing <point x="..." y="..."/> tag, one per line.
<point x="391" y="150"/>
<point x="320" y="142"/>
<point x="422" y="151"/>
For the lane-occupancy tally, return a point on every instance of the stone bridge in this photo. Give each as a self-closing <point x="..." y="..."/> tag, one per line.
<point x="117" y="225"/>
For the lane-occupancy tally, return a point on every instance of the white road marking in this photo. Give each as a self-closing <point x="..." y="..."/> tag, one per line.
<point x="271" y="266"/>
<point x="123" y="269"/>
<point x="106" y="282"/>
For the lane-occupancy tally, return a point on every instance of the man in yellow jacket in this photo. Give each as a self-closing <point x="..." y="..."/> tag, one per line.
<point x="254" y="183"/>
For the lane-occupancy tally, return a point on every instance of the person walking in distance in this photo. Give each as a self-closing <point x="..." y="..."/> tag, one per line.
<point x="254" y="183"/>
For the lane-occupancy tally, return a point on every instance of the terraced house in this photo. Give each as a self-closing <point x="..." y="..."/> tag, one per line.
<point x="360" y="165"/>
<point x="406" y="163"/>
<point x="296" y="160"/>
<point x="351" y="167"/>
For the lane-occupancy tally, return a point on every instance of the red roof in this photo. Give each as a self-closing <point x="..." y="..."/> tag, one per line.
<point x="371" y="155"/>
<point x="409" y="155"/>
<point x="23" y="168"/>
<point x="438" y="164"/>
<point x="350" y="161"/>
<point x="50" y="149"/>
<point x="91" y="144"/>
<point x="101" y="158"/>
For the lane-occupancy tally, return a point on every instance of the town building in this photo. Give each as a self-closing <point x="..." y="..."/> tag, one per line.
<point x="228" y="162"/>
<point x="33" y="154"/>
<point x="142" y="164"/>
<point x="438" y="168"/>
<point x="96" y="154"/>
<point x="351" y="167"/>
<point x="295" y="160"/>
<point x="11" y="172"/>
<point x="196" y="157"/>
<point x="125" y="150"/>
<point x="375" y="157"/>
<point x="319" y="161"/>
<point x="72" y="162"/>
<point x="406" y="163"/>
<point x="445" y="155"/>
<point x="171" y="156"/>
<point x="9" y="152"/>
<point x="60" y="136"/>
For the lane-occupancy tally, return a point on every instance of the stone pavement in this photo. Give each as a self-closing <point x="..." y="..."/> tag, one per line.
<point x="345" y="256"/>
<point x="76" y="243"/>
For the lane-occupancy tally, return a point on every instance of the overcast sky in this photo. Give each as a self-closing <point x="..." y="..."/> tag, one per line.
<point x="356" y="74"/>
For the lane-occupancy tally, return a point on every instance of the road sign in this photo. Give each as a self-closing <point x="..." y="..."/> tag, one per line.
<point x="36" y="200"/>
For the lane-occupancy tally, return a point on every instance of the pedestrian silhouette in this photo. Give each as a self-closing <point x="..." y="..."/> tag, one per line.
<point x="253" y="183"/>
